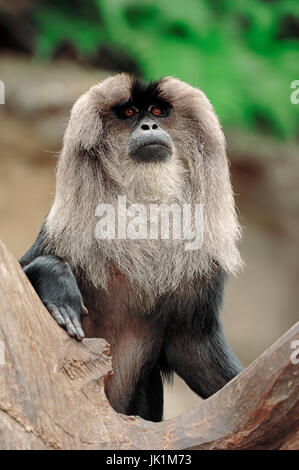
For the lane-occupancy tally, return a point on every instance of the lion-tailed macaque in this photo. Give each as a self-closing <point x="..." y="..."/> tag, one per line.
<point x="155" y="149"/>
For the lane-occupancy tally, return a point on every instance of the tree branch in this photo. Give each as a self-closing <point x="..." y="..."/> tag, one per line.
<point x="52" y="390"/>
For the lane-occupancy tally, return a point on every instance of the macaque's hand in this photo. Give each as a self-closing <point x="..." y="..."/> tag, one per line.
<point x="68" y="315"/>
<point x="54" y="282"/>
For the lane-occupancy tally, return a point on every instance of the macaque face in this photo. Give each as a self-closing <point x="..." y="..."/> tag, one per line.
<point x="140" y="123"/>
<point x="148" y="141"/>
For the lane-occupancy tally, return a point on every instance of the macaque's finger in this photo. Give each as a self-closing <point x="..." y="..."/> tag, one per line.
<point x="68" y="323"/>
<point x="76" y="323"/>
<point x="54" y="311"/>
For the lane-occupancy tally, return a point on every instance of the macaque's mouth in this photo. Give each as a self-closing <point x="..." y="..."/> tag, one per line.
<point x="152" y="151"/>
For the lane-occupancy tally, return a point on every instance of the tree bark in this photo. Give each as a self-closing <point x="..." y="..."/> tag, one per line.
<point x="52" y="390"/>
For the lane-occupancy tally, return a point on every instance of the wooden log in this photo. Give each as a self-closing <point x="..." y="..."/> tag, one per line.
<point x="52" y="390"/>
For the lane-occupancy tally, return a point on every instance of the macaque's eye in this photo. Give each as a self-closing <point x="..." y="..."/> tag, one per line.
<point x="125" y="111"/>
<point x="156" y="111"/>
<point x="129" y="112"/>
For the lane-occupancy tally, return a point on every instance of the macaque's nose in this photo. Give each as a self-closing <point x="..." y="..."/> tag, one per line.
<point x="149" y="125"/>
<point x="149" y="142"/>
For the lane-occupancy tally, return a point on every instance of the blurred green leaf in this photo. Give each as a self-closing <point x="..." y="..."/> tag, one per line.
<point x="236" y="51"/>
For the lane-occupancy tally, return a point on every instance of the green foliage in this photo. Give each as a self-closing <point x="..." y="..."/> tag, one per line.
<point x="237" y="51"/>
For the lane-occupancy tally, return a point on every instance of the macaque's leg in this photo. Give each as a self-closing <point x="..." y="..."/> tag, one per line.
<point x="55" y="284"/>
<point x="136" y="385"/>
<point x="196" y="348"/>
<point x="147" y="401"/>
<point x="206" y="362"/>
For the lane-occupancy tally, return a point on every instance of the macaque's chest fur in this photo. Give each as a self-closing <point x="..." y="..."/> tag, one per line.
<point x="122" y="312"/>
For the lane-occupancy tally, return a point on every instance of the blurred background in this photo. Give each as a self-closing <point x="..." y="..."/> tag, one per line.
<point x="243" y="55"/>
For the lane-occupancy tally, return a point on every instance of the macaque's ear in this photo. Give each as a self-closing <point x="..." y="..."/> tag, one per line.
<point x="85" y="125"/>
<point x="192" y="104"/>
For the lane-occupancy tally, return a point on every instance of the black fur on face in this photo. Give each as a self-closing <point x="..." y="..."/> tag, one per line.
<point x="142" y="96"/>
<point x="145" y="94"/>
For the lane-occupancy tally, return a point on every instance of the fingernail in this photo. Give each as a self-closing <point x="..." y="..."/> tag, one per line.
<point x="85" y="311"/>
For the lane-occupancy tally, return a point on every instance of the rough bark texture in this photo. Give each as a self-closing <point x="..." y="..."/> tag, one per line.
<point x="52" y="390"/>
